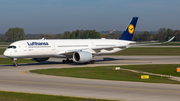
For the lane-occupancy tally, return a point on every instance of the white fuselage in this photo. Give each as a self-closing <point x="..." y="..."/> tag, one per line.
<point x="59" y="47"/>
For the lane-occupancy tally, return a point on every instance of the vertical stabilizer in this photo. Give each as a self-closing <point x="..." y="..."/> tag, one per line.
<point x="129" y="32"/>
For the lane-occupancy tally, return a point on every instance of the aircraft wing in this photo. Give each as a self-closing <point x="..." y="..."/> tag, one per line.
<point x="125" y="46"/>
<point x="154" y="43"/>
<point x="70" y="52"/>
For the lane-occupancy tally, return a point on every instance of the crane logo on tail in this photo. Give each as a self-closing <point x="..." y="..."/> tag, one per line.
<point x="131" y="29"/>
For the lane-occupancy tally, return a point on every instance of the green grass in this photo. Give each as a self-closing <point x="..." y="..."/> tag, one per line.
<point x="167" y="69"/>
<point x="9" y="61"/>
<point x="105" y="73"/>
<point x="158" y="51"/>
<point x="2" y="50"/>
<point x="5" y="43"/>
<point x="13" y="96"/>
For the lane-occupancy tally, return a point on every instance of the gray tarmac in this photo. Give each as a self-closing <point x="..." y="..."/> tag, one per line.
<point x="19" y="79"/>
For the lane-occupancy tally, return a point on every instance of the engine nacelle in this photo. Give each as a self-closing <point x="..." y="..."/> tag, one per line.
<point x="40" y="59"/>
<point x="82" y="56"/>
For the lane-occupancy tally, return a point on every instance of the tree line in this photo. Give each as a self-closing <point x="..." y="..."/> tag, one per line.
<point x="78" y="34"/>
<point x="163" y="34"/>
<point x="14" y="34"/>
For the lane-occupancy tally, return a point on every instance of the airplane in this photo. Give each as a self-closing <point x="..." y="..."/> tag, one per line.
<point x="74" y="50"/>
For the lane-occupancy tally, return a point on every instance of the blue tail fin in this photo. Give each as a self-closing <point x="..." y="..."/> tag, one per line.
<point x="128" y="33"/>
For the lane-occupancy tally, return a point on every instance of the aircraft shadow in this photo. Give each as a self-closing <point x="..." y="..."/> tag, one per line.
<point x="54" y="62"/>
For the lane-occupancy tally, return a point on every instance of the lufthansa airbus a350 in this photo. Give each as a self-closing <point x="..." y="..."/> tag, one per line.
<point x="77" y="50"/>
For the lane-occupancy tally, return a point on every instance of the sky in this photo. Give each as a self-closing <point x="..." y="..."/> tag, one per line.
<point x="58" y="16"/>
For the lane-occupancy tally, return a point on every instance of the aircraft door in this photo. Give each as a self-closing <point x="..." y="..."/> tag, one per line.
<point x="53" y="46"/>
<point x="92" y="44"/>
<point x="25" y="47"/>
<point x="10" y="52"/>
<point x="118" y="44"/>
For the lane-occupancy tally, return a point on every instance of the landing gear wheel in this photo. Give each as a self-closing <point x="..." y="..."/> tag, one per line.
<point x="67" y="61"/>
<point x="92" y="61"/>
<point x="63" y="61"/>
<point x="15" y="64"/>
<point x="71" y="61"/>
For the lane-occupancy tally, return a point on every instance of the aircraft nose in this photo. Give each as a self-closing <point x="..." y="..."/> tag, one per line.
<point x="6" y="53"/>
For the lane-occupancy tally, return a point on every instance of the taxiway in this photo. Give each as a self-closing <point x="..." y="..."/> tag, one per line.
<point x="19" y="79"/>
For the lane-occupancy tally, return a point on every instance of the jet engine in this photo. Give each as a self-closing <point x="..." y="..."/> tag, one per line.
<point x="40" y="59"/>
<point x="82" y="56"/>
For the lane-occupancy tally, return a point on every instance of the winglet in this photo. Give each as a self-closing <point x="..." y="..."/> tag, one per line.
<point x="171" y="39"/>
<point x="154" y="43"/>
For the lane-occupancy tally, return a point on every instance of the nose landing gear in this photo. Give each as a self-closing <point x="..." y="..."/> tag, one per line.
<point x="14" y="62"/>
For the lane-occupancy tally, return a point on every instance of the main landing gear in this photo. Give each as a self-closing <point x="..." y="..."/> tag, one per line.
<point x="67" y="61"/>
<point x="71" y="61"/>
<point x="92" y="61"/>
<point x="14" y="62"/>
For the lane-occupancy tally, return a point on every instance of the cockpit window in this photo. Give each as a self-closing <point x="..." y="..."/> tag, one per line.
<point x="13" y="47"/>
